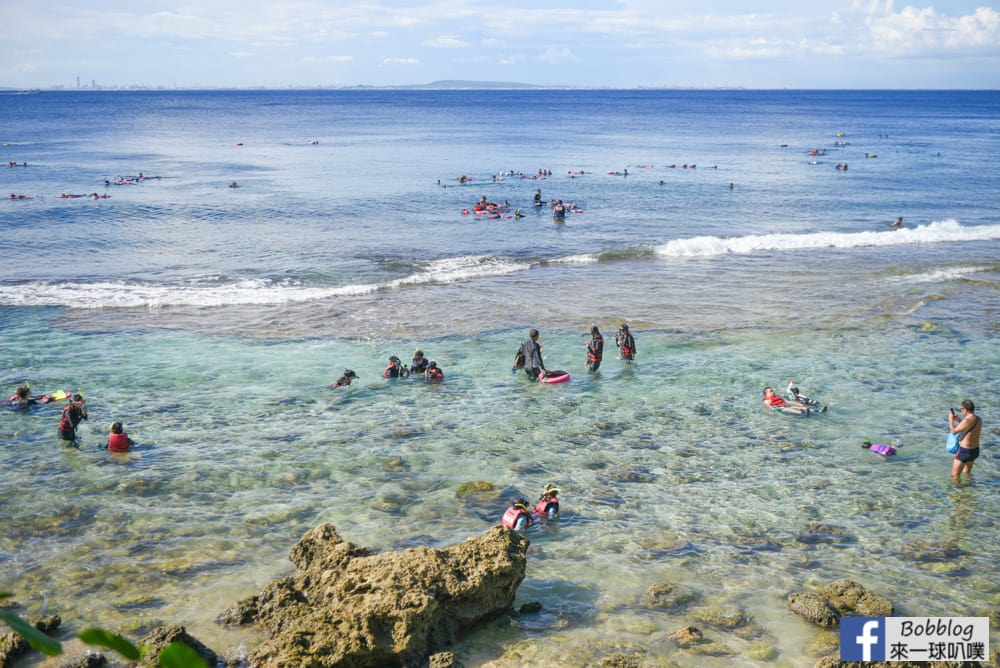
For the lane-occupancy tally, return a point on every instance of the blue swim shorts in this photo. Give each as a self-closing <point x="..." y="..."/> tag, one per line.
<point x="966" y="455"/>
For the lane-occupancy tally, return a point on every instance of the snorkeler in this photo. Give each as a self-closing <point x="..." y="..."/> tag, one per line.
<point x="626" y="344"/>
<point x="345" y="380"/>
<point x="517" y="516"/>
<point x="433" y="372"/>
<point x="395" y="369"/>
<point x="118" y="440"/>
<point x="75" y="411"/>
<point x="772" y="400"/>
<point x="801" y="399"/>
<point x="548" y="503"/>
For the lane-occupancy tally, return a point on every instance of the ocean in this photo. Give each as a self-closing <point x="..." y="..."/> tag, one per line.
<point x="210" y="321"/>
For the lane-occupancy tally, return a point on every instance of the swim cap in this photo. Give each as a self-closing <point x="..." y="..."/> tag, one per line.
<point x="551" y="489"/>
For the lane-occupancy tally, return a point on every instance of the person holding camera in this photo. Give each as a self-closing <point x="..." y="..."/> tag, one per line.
<point x="75" y="411"/>
<point x="970" y="426"/>
<point x="625" y="343"/>
<point x="595" y="350"/>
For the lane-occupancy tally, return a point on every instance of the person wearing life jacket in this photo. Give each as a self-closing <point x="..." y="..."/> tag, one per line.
<point x="433" y="373"/>
<point x="625" y="343"/>
<point x="559" y="212"/>
<point x="395" y="369"/>
<point x="118" y="440"/>
<point x="801" y="399"/>
<point x="75" y="411"/>
<point x="419" y="363"/>
<point x="775" y="401"/>
<point x="595" y="349"/>
<point x="517" y="516"/>
<point x="21" y="399"/>
<point x="548" y="503"/>
<point x="345" y="380"/>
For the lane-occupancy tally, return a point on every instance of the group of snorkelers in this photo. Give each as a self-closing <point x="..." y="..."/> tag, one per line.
<point x="419" y="366"/>
<point x="797" y="403"/>
<point x="120" y="181"/>
<point x="519" y="516"/>
<point x="72" y="414"/>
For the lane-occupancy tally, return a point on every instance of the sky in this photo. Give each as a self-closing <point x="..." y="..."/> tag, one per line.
<point x="586" y="43"/>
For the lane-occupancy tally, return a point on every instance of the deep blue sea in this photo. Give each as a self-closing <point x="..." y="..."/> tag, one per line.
<point x="211" y="319"/>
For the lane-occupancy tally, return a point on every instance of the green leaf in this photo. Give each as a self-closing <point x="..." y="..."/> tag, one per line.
<point x="102" y="638"/>
<point x="35" y="638"/>
<point x="178" y="655"/>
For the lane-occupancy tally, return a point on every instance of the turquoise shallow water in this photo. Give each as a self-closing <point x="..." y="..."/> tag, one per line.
<point x="670" y="473"/>
<point x="211" y="320"/>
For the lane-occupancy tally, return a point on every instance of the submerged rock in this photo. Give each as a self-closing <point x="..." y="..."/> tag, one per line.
<point x="686" y="636"/>
<point x="813" y="608"/>
<point x="838" y="599"/>
<point x="347" y="606"/>
<point x="667" y="596"/>
<point x="850" y="598"/>
<point x="820" y="532"/>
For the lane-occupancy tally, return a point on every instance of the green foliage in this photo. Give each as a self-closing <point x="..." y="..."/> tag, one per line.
<point x="35" y="638"/>
<point x="177" y="655"/>
<point x="174" y="655"/>
<point x="102" y="638"/>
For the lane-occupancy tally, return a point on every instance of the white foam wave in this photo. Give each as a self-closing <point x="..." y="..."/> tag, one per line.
<point x="936" y="232"/>
<point x="942" y="275"/>
<point x="214" y="292"/>
<point x="582" y="258"/>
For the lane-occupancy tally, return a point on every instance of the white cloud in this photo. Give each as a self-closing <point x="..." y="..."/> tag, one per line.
<point x="586" y="41"/>
<point x="556" y="55"/>
<point x="445" y="43"/>
<point x="310" y="60"/>
<point x="920" y="31"/>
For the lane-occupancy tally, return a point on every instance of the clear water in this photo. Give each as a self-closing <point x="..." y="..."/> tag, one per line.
<point x="210" y="320"/>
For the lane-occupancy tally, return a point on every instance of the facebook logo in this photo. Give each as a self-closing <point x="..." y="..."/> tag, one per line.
<point x="862" y="638"/>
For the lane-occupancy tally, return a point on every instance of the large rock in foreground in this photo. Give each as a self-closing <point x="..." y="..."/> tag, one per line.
<point x="347" y="606"/>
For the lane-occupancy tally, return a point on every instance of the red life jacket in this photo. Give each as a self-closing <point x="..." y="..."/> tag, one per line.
<point x="118" y="442"/>
<point x="435" y="374"/>
<point x="66" y="424"/>
<point x="776" y="401"/>
<point x="598" y="354"/>
<point x="512" y="515"/>
<point x="542" y="507"/>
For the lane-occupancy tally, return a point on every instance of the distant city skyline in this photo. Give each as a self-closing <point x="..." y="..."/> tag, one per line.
<point x="579" y="43"/>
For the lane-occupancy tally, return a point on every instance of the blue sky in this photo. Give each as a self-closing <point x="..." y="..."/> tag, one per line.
<point x="598" y="43"/>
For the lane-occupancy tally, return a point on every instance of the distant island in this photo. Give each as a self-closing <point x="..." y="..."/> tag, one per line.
<point x="461" y="84"/>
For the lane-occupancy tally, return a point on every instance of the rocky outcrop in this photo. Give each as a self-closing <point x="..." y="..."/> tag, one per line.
<point x="813" y="608"/>
<point x="838" y="599"/>
<point x="161" y="637"/>
<point x="347" y="606"/>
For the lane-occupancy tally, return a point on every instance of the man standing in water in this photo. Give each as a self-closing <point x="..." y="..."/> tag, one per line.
<point x="533" y="365"/>
<point x="970" y="426"/>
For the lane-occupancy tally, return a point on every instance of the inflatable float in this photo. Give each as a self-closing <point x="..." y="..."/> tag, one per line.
<point x="553" y="377"/>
